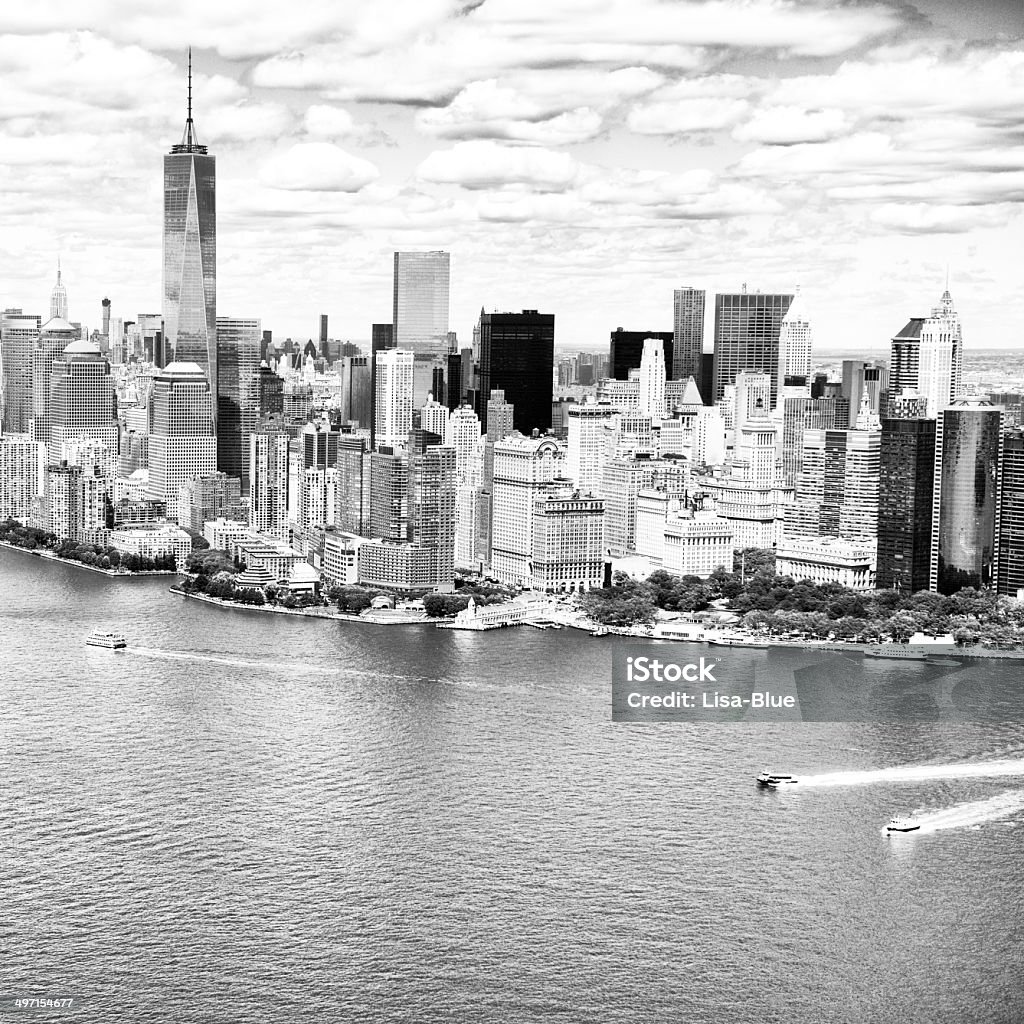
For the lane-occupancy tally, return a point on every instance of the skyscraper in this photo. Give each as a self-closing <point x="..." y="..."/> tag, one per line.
<point x="517" y="356"/>
<point x="795" y="340"/>
<point x="182" y="444"/>
<point x="652" y="380"/>
<point x="190" y="250"/>
<point x="906" y="481"/>
<point x="904" y="357"/>
<point x="968" y="450"/>
<point x="420" y="314"/>
<point x="626" y="349"/>
<point x="1010" y="565"/>
<point x="268" y="479"/>
<point x="81" y="403"/>
<point x="238" y="360"/>
<point x="19" y="335"/>
<point x="687" y="334"/>
<point x="393" y="401"/>
<point x="54" y="336"/>
<point x="747" y="330"/>
<point x="939" y="365"/>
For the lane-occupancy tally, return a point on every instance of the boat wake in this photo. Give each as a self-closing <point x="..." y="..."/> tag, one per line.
<point x="971" y="814"/>
<point x="916" y="773"/>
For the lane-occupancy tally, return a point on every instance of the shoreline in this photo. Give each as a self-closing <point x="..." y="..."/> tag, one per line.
<point x="308" y="613"/>
<point x="49" y="556"/>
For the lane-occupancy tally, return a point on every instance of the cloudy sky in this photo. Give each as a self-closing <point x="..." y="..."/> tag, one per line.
<point x="583" y="157"/>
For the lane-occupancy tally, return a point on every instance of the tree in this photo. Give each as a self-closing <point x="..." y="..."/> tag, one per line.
<point x="901" y="627"/>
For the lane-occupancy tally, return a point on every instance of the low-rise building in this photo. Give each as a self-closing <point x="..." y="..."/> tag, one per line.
<point x="397" y="565"/>
<point x="153" y="541"/>
<point x="827" y="560"/>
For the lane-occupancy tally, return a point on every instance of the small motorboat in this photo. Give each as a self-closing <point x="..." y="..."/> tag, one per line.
<point x="899" y="824"/>
<point x="772" y="780"/>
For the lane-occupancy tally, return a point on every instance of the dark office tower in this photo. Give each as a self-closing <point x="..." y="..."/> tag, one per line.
<point x="968" y="449"/>
<point x="628" y="346"/>
<point x="323" y="335"/>
<point x="190" y="250"/>
<point x="1010" y="563"/>
<point x="105" y="311"/>
<point x="706" y="381"/>
<point x="453" y="391"/>
<point x="906" y="480"/>
<point x="238" y="361"/>
<point x="904" y="358"/>
<point x="747" y="328"/>
<point x="268" y="392"/>
<point x="818" y="385"/>
<point x="517" y="356"/>
<point x="265" y="343"/>
<point x="687" y="334"/>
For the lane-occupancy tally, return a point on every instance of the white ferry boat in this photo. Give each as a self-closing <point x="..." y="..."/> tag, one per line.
<point x="772" y="780"/>
<point x="111" y="641"/>
<point x="899" y="824"/>
<point x="896" y="651"/>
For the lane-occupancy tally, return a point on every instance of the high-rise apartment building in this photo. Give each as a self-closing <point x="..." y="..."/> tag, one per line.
<point x="420" y="315"/>
<point x="747" y="330"/>
<point x="269" y="498"/>
<point x="182" y="444"/>
<point x="22" y="468"/>
<point x="238" y="361"/>
<point x="517" y="354"/>
<point x="393" y="404"/>
<point x="687" y="334"/>
<point x="968" y="454"/>
<point x="190" y="251"/>
<point x="906" y="481"/>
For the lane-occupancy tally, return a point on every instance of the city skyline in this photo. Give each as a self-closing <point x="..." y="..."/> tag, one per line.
<point x="605" y="161"/>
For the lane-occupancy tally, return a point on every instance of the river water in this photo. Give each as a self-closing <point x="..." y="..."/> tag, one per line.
<point x="255" y="817"/>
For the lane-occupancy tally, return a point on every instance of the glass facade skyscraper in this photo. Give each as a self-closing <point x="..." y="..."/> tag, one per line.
<point x="238" y="361"/>
<point x="190" y="251"/>
<point x="968" y="448"/>
<point x="420" y="320"/>
<point x="688" y="334"/>
<point x="907" y="477"/>
<point x="517" y="356"/>
<point x="1010" y="568"/>
<point x="747" y="329"/>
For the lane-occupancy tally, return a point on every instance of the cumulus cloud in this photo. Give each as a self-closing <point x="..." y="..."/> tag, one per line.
<point x="318" y="167"/>
<point x="787" y="126"/>
<point x="485" y="164"/>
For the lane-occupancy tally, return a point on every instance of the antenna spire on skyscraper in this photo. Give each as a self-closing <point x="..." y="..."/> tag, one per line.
<point x="189" y="141"/>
